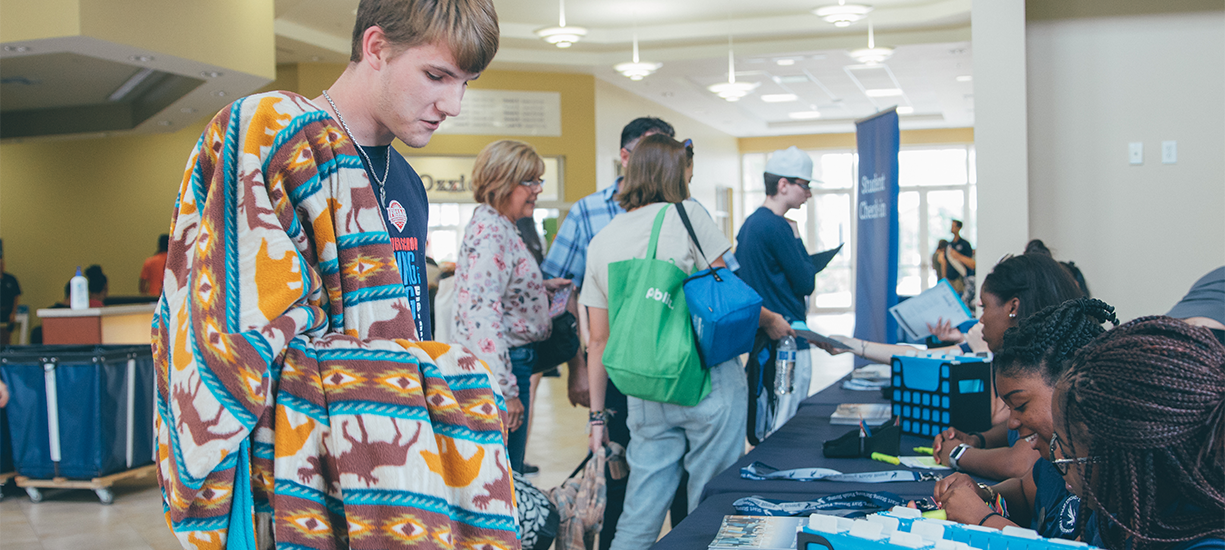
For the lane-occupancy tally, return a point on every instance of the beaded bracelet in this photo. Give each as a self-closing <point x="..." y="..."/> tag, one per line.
<point x="597" y="416"/>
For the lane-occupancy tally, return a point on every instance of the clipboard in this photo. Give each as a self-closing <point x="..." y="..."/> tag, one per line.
<point x="822" y="259"/>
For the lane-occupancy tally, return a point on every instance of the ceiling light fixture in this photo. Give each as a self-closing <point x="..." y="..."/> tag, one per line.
<point x="778" y="98"/>
<point x="843" y="14"/>
<point x="965" y="78"/>
<point x="561" y="35"/>
<point x="131" y="84"/>
<point x="785" y="62"/>
<point x="883" y="92"/>
<point x="905" y="110"/>
<point x="637" y="70"/>
<point x="732" y="90"/>
<point x="871" y="55"/>
<point x="805" y="115"/>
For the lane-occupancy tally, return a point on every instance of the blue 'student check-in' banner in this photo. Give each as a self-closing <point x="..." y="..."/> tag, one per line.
<point x="876" y="209"/>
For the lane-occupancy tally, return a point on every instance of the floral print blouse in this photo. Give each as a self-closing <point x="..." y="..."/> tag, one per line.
<point x="500" y="299"/>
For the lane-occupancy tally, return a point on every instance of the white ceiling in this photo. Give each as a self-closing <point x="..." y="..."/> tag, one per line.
<point x="931" y="41"/>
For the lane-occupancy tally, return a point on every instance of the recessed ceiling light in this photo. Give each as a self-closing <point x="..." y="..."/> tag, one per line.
<point x="791" y="79"/>
<point x="805" y="115"/>
<point x="778" y="98"/>
<point x="785" y="62"/>
<point x="965" y="78"/>
<point x="219" y="93"/>
<point x="883" y="92"/>
<point x="188" y="110"/>
<point x="141" y="58"/>
<point x="163" y="123"/>
<point x="210" y="74"/>
<point x="18" y="49"/>
<point x="905" y="110"/>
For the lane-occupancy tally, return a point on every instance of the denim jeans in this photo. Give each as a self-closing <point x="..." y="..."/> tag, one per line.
<point x="522" y="359"/>
<point x="713" y="431"/>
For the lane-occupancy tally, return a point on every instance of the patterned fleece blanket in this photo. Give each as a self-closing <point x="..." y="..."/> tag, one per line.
<point x="292" y="403"/>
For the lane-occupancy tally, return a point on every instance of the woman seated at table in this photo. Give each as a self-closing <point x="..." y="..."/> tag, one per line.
<point x="706" y="438"/>
<point x="1033" y="357"/>
<point x="1139" y="424"/>
<point x="1016" y="288"/>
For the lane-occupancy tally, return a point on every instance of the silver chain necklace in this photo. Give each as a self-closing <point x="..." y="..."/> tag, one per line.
<point x="348" y="132"/>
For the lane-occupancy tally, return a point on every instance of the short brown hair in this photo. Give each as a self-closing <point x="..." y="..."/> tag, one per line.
<point x="469" y="27"/>
<point x="499" y="169"/>
<point x="656" y="173"/>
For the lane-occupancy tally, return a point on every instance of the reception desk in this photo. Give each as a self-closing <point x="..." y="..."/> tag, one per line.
<point x="129" y="324"/>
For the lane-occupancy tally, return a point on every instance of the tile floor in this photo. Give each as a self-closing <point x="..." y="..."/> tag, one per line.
<point x="75" y="520"/>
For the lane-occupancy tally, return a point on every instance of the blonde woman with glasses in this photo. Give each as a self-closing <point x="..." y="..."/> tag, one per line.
<point x="501" y="299"/>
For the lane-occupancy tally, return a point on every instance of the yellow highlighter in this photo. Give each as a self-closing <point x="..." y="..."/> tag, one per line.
<point x="936" y="514"/>
<point x="923" y="450"/>
<point x="886" y="458"/>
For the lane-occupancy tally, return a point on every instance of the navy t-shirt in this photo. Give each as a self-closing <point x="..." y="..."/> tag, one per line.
<point x="407" y="216"/>
<point x="774" y="263"/>
<point x="1055" y="507"/>
<point x="963" y="247"/>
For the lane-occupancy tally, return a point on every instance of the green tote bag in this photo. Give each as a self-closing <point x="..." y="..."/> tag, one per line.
<point x="651" y="354"/>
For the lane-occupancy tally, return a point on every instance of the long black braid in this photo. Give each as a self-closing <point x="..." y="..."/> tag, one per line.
<point x="1044" y="342"/>
<point x="1149" y="396"/>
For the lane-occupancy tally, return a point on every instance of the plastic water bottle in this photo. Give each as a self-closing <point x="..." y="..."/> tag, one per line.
<point x="78" y="293"/>
<point x="784" y="366"/>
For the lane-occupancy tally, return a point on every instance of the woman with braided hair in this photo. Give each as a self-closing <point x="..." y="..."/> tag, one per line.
<point x="1027" y="368"/>
<point x="1140" y="435"/>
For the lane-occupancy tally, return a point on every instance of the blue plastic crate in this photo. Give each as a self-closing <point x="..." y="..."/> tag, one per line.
<point x="933" y="392"/>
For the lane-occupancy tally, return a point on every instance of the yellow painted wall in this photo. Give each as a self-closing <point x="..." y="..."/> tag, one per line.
<point x="33" y="19"/>
<point x="847" y="141"/>
<point x="79" y="202"/>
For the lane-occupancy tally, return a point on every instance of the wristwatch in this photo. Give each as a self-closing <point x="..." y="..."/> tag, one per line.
<point x="956" y="454"/>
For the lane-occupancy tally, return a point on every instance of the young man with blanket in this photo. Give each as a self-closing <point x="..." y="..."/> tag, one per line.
<point x="297" y="394"/>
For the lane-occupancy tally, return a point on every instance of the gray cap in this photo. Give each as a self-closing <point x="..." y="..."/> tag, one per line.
<point x="791" y="163"/>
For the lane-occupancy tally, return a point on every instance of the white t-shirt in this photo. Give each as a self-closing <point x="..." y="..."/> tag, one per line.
<point x="627" y="236"/>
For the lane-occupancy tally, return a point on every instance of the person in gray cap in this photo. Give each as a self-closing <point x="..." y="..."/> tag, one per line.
<point x="774" y="261"/>
<point x="1204" y="304"/>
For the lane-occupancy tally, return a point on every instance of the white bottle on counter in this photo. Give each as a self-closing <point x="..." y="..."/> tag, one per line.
<point x="78" y="291"/>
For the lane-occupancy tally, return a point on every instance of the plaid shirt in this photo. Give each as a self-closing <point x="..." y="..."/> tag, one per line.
<point x="568" y="254"/>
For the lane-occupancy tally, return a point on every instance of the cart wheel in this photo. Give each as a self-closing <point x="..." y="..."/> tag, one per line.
<point x="36" y="496"/>
<point x="105" y="495"/>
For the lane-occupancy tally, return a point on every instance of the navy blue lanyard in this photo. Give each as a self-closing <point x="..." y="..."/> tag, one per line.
<point x="865" y="501"/>
<point x="760" y="471"/>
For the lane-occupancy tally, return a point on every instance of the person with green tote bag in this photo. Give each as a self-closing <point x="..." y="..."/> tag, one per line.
<point x="679" y="413"/>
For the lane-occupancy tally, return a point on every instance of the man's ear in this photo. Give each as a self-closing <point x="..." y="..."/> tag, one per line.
<point x="625" y="158"/>
<point x="376" y="49"/>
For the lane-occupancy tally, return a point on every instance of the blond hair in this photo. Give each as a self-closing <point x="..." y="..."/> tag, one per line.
<point x="499" y="169"/>
<point x="656" y="173"/>
<point x="468" y="27"/>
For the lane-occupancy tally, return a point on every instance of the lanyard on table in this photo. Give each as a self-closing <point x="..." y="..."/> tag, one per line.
<point x="760" y="471"/>
<point x="853" y="500"/>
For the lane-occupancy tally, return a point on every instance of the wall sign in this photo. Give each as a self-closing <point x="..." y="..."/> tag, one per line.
<point x="506" y="113"/>
<point x="449" y="179"/>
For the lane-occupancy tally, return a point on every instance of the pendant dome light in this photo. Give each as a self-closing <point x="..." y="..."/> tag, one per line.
<point x="561" y="35"/>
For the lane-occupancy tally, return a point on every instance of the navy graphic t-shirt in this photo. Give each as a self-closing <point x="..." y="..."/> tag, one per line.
<point x="407" y="217"/>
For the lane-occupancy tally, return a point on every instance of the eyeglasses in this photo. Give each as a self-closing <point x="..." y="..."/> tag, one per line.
<point x="533" y="183"/>
<point x="1061" y="464"/>
<point x="802" y="184"/>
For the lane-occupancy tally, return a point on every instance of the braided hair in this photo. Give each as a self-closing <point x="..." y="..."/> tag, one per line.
<point x="1150" y="397"/>
<point x="1044" y="342"/>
